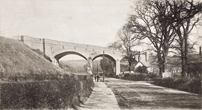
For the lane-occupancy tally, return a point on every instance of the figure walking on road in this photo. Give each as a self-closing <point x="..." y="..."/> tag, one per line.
<point x="98" y="77"/>
<point x="95" y="76"/>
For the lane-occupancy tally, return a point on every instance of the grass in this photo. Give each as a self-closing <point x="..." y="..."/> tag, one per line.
<point x="17" y="58"/>
<point x="135" y="95"/>
<point x="30" y="81"/>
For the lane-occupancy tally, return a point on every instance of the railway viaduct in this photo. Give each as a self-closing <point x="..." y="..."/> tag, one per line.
<point x="57" y="49"/>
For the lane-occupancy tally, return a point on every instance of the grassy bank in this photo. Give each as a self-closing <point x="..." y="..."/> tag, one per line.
<point x="17" y="58"/>
<point x="29" y="81"/>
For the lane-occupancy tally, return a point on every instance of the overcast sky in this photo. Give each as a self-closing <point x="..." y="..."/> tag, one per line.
<point x="94" y="22"/>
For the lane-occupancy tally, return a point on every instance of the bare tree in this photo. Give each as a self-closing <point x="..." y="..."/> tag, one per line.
<point x="184" y="16"/>
<point x="150" y="22"/>
<point x="116" y="45"/>
<point x="129" y="42"/>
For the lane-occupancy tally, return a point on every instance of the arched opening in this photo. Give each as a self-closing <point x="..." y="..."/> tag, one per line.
<point x="72" y="61"/>
<point x="58" y="56"/>
<point x="109" y="61"/>
<point x="96" y="66"/>
<point x="105" y="55"/>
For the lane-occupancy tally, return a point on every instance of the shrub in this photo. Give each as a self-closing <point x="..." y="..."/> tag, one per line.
<point x="151" y="77"/>
<point x="140" y="77"/>
<point x="141" y="69"/>
<point x="194" y="85"/>
<point x="126" y="75"/>
<point x="134" y="77"/>
<point x="184" y="84"/>
<point x="54" y="94"/>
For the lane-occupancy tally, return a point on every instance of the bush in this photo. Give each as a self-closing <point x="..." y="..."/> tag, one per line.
<point x="151" y="77"/>
<point x="134" y="77"/>
<point x="141" y="69"/>
<point x="140" y="77"/>
<point x="184" y="84"/>
<point x="194" y="85"/>
<point x="54" y="94"/>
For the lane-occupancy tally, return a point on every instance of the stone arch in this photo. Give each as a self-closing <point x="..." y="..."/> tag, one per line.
<point x="105" y="55"/>
<point x="60" y="55"/>
<point x="109" y="57"/>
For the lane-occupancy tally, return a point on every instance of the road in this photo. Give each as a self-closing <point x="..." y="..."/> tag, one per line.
<point x="143" y="95"/>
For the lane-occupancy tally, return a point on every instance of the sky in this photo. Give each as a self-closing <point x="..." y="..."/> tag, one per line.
<point x="93" y="22"/>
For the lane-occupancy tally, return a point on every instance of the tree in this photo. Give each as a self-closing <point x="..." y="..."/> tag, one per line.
<point x="162" y="21"/>
<point x="141" y="69"/>
<point x="107" y="65"/>
<point x="116" y="45"/>
<point x="149" y="21"/>
<point x="184" y="16"/>
<point x="129" y="42"/>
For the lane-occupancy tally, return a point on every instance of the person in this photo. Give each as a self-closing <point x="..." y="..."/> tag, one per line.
<point x="89" y="66"/>
<point x="95" y="77"/>
<point x="98" y="77"/>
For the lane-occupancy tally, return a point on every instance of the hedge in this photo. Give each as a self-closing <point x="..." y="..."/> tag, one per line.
<point x="53" y="94"/>
<point x="139" y="77"/>
<point x="184" y="84"/>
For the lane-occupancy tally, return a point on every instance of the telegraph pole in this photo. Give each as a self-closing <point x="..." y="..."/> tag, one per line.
<point x="103" y="66"/>
<point x="97" y="68"/>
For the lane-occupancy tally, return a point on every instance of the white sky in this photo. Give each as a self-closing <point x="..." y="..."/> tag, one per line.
<point x="94" y="22"/>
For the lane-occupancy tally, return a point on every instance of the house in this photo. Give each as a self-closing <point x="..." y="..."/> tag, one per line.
<point x="195" y="65"/>
<point x="174" y="64"/>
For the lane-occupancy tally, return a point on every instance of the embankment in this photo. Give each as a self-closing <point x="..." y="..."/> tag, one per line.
<point x="29" y="81"/>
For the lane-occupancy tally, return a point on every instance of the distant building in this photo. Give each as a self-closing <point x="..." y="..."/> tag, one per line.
<point x="174" y="64"/>
<point x="195" y="64"/>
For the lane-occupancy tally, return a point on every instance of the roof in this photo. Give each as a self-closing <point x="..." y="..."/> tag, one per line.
<point x="145" y="63"/>
<point x="195" y="58"/>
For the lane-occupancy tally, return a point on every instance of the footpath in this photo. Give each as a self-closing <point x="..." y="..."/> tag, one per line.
<point x="102" y="98"/>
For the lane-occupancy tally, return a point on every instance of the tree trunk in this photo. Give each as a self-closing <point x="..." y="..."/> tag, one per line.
<point x="183" y="64"/>
<point x="129" y="68"/>
<point x="160" y="66"/>
<point x="185" y="54"/>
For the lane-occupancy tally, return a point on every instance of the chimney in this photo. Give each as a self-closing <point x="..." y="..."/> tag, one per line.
<point x="139" y="56"/>
<point x="200" y="50"/>
<point x="22" y="38"/>
<point x="145" y="56"/>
